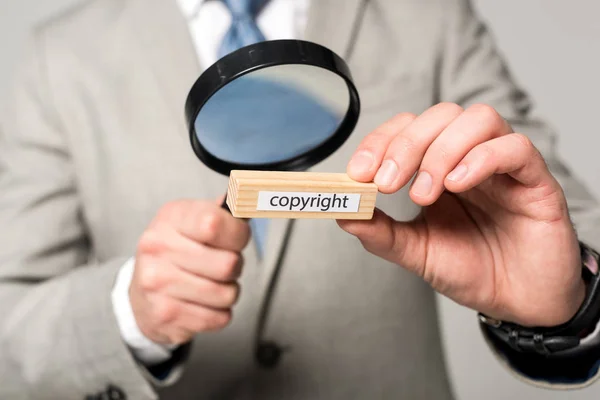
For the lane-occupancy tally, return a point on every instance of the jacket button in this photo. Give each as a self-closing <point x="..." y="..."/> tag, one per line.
<point x="268" y="354"/>
<point x="115" y="393"/>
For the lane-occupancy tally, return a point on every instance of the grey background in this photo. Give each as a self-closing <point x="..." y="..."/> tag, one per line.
<point x="553" y="51"/>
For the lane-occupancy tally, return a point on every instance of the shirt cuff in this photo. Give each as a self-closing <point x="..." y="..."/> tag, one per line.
<point x="144" y="350"/>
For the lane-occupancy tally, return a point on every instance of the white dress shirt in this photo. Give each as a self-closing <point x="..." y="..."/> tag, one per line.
<point x="208" y="21"/>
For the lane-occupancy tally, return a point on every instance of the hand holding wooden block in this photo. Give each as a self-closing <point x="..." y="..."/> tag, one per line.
<point x="270" y="194"/>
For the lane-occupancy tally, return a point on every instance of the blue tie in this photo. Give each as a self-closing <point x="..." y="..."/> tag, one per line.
<point x="243" y="32"/>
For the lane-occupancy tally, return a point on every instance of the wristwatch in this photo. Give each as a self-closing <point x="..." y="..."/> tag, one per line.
<point x="565" y="340"/>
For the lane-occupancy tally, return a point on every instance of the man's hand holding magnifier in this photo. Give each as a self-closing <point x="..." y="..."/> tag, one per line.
<point x="494" y="233"/>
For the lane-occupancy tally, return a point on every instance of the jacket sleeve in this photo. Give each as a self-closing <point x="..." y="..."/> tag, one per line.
<point x="471" y="71"/>
<point x="58" y="335"/>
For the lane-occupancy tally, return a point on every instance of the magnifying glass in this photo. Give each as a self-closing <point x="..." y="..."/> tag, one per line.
<point x="282" y="105"/>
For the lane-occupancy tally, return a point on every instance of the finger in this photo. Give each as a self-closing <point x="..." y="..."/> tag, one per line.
<point x="512" y="154"/>
<point x="182" y="320"/>
<point x="159" y="276"/>
<point x="197" y="258"/>
<point x="402" y="243"/>
<point x="366" y="160"/>
<point x="201" y="319"/>
<point x="200" y="291"/>
<point x="405" y="153"/>
<point x="214" y="264"/>
<point x="479" y="123"/>
<point x="167" y="244"/>
<point x="206" y="223"/>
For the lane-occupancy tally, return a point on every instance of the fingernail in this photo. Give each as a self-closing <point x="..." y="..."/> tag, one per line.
<point x="387" y="173"/>
<point x="361" y="162"/>
<point x="423" y="184"/>
<point x="458" y="173"/>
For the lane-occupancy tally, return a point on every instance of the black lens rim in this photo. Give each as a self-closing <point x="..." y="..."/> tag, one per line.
<point x="263" y="55"/>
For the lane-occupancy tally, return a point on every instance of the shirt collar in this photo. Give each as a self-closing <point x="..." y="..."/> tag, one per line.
<point x="189" y="7"/>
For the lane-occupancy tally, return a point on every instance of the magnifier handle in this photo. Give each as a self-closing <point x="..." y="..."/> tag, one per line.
<point x="224" y="205"/>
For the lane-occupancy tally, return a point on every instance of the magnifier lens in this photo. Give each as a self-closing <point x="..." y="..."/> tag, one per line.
<point x="273" y="114"/>
<point x="282" y="105"/>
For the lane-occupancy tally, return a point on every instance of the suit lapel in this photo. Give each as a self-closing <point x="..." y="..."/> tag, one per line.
<point x="331" y="23"/>
<point x="166" y="43"/>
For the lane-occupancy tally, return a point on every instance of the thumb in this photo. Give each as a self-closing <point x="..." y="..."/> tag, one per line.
<point x="403" y="243"/>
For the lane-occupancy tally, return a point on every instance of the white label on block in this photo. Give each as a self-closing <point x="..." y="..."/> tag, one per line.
<point x="308" y="202"/>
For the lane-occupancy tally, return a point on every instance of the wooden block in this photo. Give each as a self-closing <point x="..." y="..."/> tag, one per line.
<point x="270" y="194"/>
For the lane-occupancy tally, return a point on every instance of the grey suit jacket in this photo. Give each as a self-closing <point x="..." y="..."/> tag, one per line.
<point x="95" y="142"/>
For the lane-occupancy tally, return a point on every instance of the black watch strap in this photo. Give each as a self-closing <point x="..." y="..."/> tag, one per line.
<point x="564" y="340"/>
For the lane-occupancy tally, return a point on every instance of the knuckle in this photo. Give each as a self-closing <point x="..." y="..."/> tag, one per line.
<point x="227" y="294"/>
<point x="231" y="267"/>
<point x="210" y="225"/>
<point x="523" y="141"/>
<point x="219" y="320"/>
<point x="406" y="117"/>
<point x="442" y="152"/>
<point x="486" y="153"/>
<point x="488" y="114"/>
<point x="451" y="108"/>
<point x="150" y="243"/>
<point x="150" y="277"/>
<point x="405" y="144"/>
<point x="166" y="311"/>
<point x="484" y="110"/>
